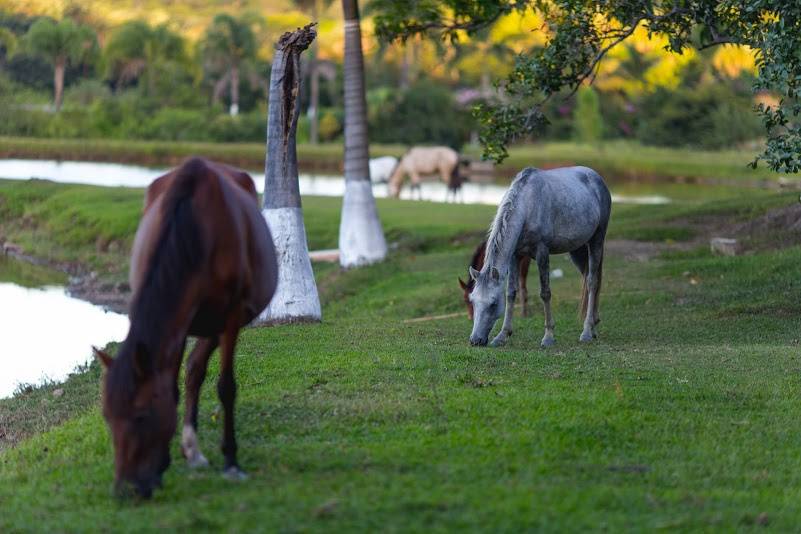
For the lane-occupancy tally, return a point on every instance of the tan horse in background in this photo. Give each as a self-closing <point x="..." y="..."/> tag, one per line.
<point x="424" y="161"/>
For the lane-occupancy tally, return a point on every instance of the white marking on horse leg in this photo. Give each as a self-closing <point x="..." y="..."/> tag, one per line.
<point x="191" y="449"/>
<point x="589" y="321"/>
<point x="548" y="338"/>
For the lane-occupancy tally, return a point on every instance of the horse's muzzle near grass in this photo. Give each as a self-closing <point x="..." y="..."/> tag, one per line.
<point x="205" y="276"/>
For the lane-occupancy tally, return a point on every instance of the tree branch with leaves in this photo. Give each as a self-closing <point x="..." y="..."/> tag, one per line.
<point x="582" y="32"/>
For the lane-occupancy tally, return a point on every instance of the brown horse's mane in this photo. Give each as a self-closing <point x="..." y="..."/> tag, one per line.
<point x="178" y="255"/>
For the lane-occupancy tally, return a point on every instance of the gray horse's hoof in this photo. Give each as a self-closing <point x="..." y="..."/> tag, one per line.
<point x="585" y="337"/>
<point x="498" y="342"/>
<point x="234" y="474"/>
<point x="547" y="342"/>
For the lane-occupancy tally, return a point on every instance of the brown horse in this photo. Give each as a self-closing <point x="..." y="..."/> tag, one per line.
<point x="477" y="263"/>
<point x="203" y="264"/>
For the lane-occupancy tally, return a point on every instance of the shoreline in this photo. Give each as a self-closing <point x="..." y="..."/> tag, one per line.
<point x="82" y="283"/>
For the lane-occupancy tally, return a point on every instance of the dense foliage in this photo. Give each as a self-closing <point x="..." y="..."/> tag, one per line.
<point x="155" y="82"/>
<point x="582" y="32"/>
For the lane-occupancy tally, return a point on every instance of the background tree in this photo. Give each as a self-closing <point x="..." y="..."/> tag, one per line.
<point x="581" y="33"/>
<point x="136" y="50"/>
<point x="314" y="8"/>
<point x="361" y="237"/>
<point x="296" y="297"/>
<point x="587" y="120"/>
<point x="228" y="47"/>
<point x="60" y="43"/>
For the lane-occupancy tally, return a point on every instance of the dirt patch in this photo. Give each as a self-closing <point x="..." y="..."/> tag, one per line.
<point x="109" y="296"/>
<point x="775" y="229"/>
<point x="778" y="228"/>
<point x="640" y="251"/>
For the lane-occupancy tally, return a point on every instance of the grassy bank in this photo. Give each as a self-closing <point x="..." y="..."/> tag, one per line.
<point x="619" y="160"/>
<point x="684" y="415"/>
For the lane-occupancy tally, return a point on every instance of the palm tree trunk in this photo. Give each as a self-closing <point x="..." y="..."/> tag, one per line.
<point x="314" y="89"/>
<point x="296" y="298"/>
<point x="234" y="109"/>
<point x="58" y="81"/>
<point x="361" y="237"/>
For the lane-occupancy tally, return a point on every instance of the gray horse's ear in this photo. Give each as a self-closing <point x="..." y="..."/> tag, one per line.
<point x="495" y="274"/>
<point x="473" y="274"/>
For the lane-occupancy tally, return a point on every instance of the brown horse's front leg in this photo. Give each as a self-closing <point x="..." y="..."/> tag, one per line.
<point x="226" y="389"/>
<point x="196" y="366"/>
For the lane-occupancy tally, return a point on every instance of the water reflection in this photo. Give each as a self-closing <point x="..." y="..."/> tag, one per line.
<point x="46" y="334"/>
<point x="112" y="174"/>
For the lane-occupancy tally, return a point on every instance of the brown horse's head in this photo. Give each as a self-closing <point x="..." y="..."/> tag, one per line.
<point x="139" y="405"/>
<point x="468" y="288"/>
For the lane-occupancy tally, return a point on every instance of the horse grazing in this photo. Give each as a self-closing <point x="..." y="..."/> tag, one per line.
<point x="477" y="263"/>
<point x="420" y="161"/>
<point x="543" y="213"/>
<point x="203" y="264"/>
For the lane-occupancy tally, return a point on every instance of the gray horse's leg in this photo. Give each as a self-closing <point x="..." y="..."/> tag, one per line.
<point x="596" y="252"/>
<point x="511" y="294"/>
<point x="524" y="264"/>
<point x="543" y="263"/>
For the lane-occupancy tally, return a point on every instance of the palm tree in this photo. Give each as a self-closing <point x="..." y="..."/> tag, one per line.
<point x="296" y="296"/>
<point x="313" y="8"/>
<point x="228" y="45"/>
<point x="361" y="237"/>
<point x="136" y="50"/>
<point x="61" y="43"/>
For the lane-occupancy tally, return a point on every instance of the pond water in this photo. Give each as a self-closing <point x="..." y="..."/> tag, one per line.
<point x="45" y="333"/>
<point x="112" y="174"/>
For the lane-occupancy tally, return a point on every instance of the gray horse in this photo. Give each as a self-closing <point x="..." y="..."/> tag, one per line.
<point x="542" y="213"/>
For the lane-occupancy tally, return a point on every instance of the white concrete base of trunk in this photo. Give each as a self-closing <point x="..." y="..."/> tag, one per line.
<point x="361" y="237"/>
<point x="295" y="298"/>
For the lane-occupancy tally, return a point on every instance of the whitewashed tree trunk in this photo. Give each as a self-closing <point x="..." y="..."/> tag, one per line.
<point x="296" y="298"/>
<point x="361" y="237"/>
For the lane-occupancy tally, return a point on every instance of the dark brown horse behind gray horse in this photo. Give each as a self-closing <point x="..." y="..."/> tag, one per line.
<point x="203" y="264"/>
<point x="477" y="263"/>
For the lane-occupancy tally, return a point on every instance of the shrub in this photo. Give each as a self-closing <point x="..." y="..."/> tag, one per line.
<point x="244" y="127"/>
<point x="587" y="120"/>
<point x="329" y="127"/>
<point x="86" y="92"/>
<point x="426" y="113"/>
<point x="175" y="124"/>
<point x="707" y="117"/>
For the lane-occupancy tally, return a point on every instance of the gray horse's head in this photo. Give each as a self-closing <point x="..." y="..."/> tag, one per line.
<point x="488" y="303"/>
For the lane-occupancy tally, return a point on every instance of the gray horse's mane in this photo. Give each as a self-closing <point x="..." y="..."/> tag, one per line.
<point x="499" y="231"/>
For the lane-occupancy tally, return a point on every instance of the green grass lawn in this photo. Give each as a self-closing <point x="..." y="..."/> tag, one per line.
<point x="684" y="415"/>
<point x="616" y="159"/>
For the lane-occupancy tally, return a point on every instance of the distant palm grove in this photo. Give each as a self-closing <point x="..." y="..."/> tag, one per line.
<point x="75" y="74"/>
